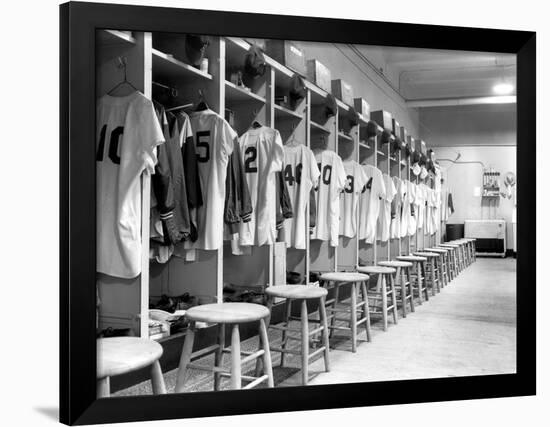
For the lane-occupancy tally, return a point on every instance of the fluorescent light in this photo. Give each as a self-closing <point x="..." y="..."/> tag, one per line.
<point x="503" y="88"/>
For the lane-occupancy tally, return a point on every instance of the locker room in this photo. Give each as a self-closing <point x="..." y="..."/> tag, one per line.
<point x="277" y="213"/>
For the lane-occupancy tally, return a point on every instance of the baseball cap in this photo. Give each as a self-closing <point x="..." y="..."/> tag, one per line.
<point x="372" y="129"/>
<point x="297" y="88"/>
<point x="254" y="62"/>
<point x="423" y="173"/>
<point x="195" y="46"/>
<point x="330" y="105"/>
<point x="385" y="137"/>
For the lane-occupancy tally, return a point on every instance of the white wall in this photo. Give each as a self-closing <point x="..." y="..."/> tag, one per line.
<point x="462" y="178"/>
<point x="366" y="83"/>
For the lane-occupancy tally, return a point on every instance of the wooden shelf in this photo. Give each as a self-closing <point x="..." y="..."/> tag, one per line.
<point x="403" y="163"/>
<point x="111" y="37"/>
<point x="318" y="95"/>
<point x="393" y="159"/>
<point x="316" y="127"/>
<point x="381" y="153"/>
<point x="364" y="145"/>
<point x="344" y="137"/>
<point x="236" y="94"/>
<point x="166" y="66"/>
<point x="282" y="113"/>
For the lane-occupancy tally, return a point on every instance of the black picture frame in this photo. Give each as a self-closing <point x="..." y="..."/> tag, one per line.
<point x="78" y="403"/>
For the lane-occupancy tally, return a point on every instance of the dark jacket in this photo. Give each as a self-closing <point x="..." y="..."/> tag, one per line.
<point x="238" y="205"/>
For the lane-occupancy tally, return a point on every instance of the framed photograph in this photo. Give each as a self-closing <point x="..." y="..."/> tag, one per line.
<point x="265" y="213"/>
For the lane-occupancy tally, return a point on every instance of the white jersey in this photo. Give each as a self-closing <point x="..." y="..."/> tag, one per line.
<point x="301" y="174"/>
<point x="384" y="219"/>
<point x="127" y="133"/>
<point x="331" y="182"/>
<point x="370" y="203"/>
<point x="413" y="201"/>
<point x="405" y="209"/>
<point x="395" y="226"/>
<point x="262" y="156"/>
<point x="349" y="199"/>
<point x="214" y="140"/>
<point x="422" y="194"/>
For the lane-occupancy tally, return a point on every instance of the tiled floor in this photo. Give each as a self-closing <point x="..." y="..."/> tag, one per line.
<point x="467" y="329"/>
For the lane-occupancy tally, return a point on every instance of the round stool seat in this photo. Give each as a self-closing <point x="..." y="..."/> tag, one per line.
<point x="120" y="355"/>
<point x="449" y="245"/>
<point x="441" y="248"/>
<point x="376" y="269"/>
<point x="395" y="264"/>
<point x="426" y="254"/>
<point x="344" y="277"/>
<point x="296" y="291"/>
<point x="411" y="258"/>
<point x="228" y="312"/>
<point x="437" y="250"/>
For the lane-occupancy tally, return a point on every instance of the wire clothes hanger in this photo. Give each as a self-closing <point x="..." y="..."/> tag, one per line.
<point x="202" y="105"/>
<point x="292" y="140"/>
<point x="122" y="62"/>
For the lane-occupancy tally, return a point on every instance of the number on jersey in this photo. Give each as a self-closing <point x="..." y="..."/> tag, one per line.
<point x="203" y="146"/>
<point x="291" y="177"/>
<point x="114" y="142"/>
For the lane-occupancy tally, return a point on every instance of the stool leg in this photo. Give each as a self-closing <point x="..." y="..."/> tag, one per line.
<point x="393" y="298"/>
<point x="103" y="387"/>
<point x="157" y="380"/>
<point x="399" y="274"/>
<point x="419" y="283"/>
<point x="324" y="333"/>
<point x="285" y="333"/>
<point x="410" y="285"/>
<point x="432" y="275"/>
<point x="305" y="342"/>
<point x="366" y="312"/>
<point x="353" y="317"/>
<point x="267" y="321"/>
<point x="235" y="358"/>
<point x="268" y="368"/>
<point x="218" y="358"/>
<point x="382" y="285"/>
<point x="185" y="357"/>
<point x="333" y="318"/>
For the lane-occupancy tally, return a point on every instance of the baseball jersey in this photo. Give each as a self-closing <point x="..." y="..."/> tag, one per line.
<point x="384" y="218"/>
<point x="301" y="174"/>
<point x="374" y="190"/>
<point x="331" y="182"/>
<point x="405" y="209"/>
<point x="356" y="179"/>
<point x="127" y="133"/>
<point x="262" y="156"/>
<point x="397" y="203"/>
<point x="413" y="211"/>
<point x="422" y="193"/>
<point x="214" y="140"/>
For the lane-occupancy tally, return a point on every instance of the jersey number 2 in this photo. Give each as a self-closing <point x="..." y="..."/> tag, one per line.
<point x="250" y="157"/>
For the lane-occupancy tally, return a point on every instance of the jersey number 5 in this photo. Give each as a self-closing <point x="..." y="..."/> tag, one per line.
<point x="203" y="142"/>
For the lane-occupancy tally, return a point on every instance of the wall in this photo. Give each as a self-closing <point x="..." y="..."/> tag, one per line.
<point x="366" y="83"/>
<point x="482" y="133"/>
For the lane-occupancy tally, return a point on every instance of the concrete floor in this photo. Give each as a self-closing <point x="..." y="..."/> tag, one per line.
<point x="467" y="329"/>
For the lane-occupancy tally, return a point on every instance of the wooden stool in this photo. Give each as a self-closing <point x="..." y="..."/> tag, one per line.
<point x="418" y="266"/>
<point x="471" y="245"/>
<point x="357" y="282"/>
<point x="302" y="293"/>
<point x="454" y="270"/>
<point x="447" y="261"/>
<point x="120" y="355"/>
<point x="384" y="286"/>
<point x="405" y="286"/>
<point x="229" y="313"/>
<point x="443" y="276"/>
<point x="432" y="270"/>
<point x="460" y="252"/>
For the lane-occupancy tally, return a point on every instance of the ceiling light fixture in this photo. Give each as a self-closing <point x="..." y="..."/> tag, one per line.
<point x="503" y="88"/>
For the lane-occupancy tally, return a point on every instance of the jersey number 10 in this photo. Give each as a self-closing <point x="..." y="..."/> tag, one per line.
<point x="114" y="142"/>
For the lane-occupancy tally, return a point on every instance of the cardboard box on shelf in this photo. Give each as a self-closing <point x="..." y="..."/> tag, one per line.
<point x="319" y="74"/>
<point x="288" y="54"/>
<point x="383" y="118"/>
<point x="362" y="107"/>
<point x="343" y="91"/>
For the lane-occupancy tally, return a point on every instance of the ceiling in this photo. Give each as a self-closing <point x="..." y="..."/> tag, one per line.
<point x="429" y="74"/>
